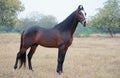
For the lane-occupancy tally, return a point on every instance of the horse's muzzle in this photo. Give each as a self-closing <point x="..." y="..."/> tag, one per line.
<point x="84" y="23"/>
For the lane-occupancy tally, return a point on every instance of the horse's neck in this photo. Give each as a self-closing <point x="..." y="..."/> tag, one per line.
<point x="68" y="25"/>
<point x="74" y="26"/>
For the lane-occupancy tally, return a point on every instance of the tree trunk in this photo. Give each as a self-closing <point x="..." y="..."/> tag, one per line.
<point x="110" y="32"/>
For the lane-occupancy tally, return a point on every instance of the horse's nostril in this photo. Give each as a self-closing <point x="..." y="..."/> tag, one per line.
<point x="85" y="23"/>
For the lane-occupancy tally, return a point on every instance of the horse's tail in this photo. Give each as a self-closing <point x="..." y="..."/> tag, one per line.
<point x="23" y="60"/>
<point x="22" y="52"/>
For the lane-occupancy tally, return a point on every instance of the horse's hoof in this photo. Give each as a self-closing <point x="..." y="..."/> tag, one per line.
<point x="31" y="69"/>
<point x="15" y="67"/>
<point x="59" y="72"/>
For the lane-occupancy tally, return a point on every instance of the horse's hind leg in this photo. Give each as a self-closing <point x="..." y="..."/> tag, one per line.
<point x="18" y="56"/>
<point x="22" y="56"/>
<point x="30" y="54"/>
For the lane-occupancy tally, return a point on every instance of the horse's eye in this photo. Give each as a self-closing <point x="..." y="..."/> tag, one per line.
<point x="85" y="14"/>
<point x="80" y="13"/>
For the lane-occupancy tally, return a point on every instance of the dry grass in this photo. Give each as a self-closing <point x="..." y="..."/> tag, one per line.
<point x="86" y="58"/>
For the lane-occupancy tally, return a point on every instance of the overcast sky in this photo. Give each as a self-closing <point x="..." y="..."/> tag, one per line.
<point x="60" y="8"/>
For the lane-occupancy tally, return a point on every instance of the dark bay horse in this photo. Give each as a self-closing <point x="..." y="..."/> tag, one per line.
<point x="60" y="36"/>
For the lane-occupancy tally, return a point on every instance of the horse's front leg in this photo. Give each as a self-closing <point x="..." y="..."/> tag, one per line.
<point x="61" y="57"/>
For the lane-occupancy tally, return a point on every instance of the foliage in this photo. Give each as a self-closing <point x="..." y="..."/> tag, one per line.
<point x="36" y="19"/>
<point x="8" y="12"/>
<point x="108" y="16"/>
<point x="5" y="29"/>
<point x="84" y="31"/>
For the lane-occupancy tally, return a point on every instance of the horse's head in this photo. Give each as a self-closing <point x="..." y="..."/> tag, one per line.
<point x="80" y="15"/>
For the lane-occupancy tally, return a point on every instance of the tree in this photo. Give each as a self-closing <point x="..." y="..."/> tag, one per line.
<point x="37" y="19"/>
<point x="48" y="21"/>
<point x="8" y="12"/>
<point x="108" y="17"/>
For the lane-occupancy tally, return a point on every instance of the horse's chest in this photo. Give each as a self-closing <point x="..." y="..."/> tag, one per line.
<point x="66" y="39"/>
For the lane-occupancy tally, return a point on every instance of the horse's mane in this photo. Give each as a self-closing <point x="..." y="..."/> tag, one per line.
<point x="65" y="24"/>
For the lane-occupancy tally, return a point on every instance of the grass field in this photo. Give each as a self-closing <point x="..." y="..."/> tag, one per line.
<point x="92" y="57"/>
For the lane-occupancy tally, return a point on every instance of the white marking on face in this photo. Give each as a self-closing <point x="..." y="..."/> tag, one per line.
<point x="83" y="13"/>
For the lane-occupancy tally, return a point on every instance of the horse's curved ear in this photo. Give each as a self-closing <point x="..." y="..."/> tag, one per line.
<point x="80" y="7"/>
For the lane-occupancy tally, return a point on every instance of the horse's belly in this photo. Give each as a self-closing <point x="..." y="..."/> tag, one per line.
<point x="49" y="43"/>
<point x="49" y="39"/>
